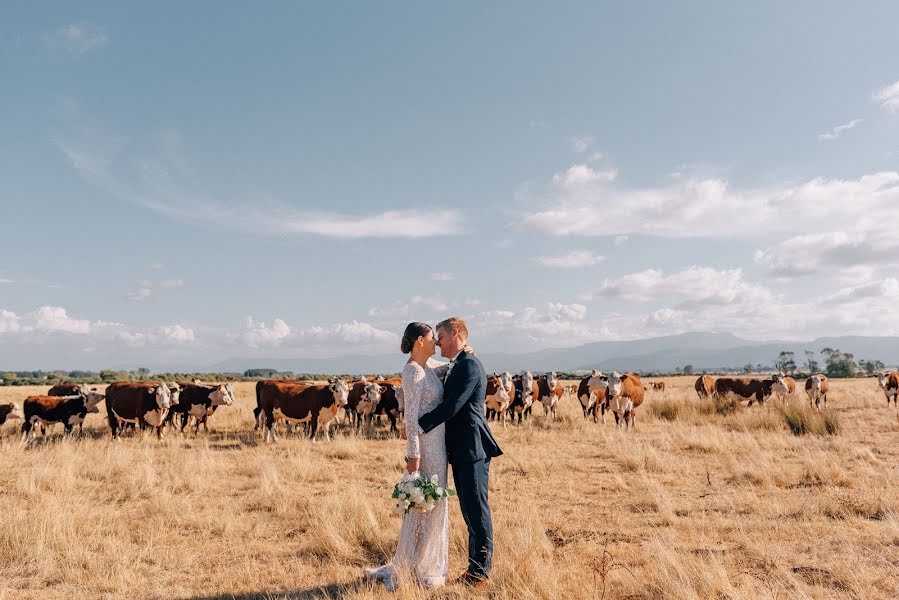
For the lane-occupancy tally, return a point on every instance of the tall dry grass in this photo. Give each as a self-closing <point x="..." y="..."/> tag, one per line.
<point x="701" y="501"/>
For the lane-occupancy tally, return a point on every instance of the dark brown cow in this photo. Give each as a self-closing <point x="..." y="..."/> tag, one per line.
<point x="754" y="390"/>
<point x="301" y="403"/>
<point x="68" y="410"/>
<point x="704" y="386"/>
<point x="197" y="402"/>
<point x="143" y="403"/>
<point x="389" y="404"/>
<point x="889" y="383"/>
<point x="624" y="395"/>
<point x="816" y="387"/>
<point x="257" y="412"/>
<point x="10" y="411"/>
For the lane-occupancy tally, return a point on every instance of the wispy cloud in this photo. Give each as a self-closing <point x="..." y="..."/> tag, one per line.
<point x="153" y="182"/>
<point x="443" y="276"/>
<point x="837" y="131"/>
<point x="576" y="259"/>
<point x="581" y="144"/>
<point x="888" y="97"/>
<point x="77" y="38"/>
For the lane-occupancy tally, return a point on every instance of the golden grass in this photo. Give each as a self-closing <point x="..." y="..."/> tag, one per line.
<point x="693" y="504"/>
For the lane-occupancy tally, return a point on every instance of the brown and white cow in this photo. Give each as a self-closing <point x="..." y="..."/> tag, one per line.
<point x="624" y="395"/>
<point x="74" y="389"/>
<point x="744" y="388"/>
<point x="889" y="383"/>
<point x="68" y="410"/>
<point x="10" y="411"/>
<point x="298" y="402"/>
<point x="141" y="403"/>
<point x="658" y="386"/>
<point x="816" y="388"/>
<point x="367" y="397"/>
<point x="498" y="400"/>
<point x="197" y="402"/>
<point x="783" y="386"/>
<point x="704" y="386"/>
<point x="591" y="393"/>
<point x="549" y="390"/>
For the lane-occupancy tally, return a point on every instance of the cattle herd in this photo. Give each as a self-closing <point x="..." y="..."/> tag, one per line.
<point x="160" y="405"/>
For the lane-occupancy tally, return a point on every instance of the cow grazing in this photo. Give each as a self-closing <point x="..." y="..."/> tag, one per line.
<point x="658" y="386"/>
<point x="783" y="386"/>
<point x="816" y="387"/>
<point x="498" y="400"/>
<point x="197" y="402"/>
<point x="889" y="383"/>
<point x="624" y="395"/>
<point x="297" y="402"/>
<point x="525" y="393"/>
<point x="591" y="393"/>
<point x="549" y="390"/>
<point x="744" y="388"/>
<point x="704" y="386"/>
<point x="68" y="410"/>
<point x="142" y="403"/>
<point x="390" y="404"/>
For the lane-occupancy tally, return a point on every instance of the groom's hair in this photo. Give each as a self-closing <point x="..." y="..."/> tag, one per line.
<point x="454" y="324"/>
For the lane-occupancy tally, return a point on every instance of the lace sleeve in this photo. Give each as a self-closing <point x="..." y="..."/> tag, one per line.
<point x="439" y="368"/>
<point x="413" y="386"/>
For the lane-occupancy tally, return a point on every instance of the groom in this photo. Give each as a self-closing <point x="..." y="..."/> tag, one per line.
<point x="469" y="443"/>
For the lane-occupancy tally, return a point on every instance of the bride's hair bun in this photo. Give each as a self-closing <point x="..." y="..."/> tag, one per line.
<point x="413" y="331"/>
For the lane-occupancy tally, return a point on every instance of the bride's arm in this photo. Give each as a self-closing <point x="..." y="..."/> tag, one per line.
<point x="440" y="368"/>
<point x="413" y="384"/>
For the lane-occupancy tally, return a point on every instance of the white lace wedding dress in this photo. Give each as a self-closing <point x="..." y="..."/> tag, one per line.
<point x="422" y="552"/>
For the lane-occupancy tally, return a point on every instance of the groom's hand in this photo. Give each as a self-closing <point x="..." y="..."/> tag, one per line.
<point x="413" y="464"/>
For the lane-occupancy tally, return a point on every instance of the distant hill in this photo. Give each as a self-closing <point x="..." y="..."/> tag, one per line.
<point x="703" y="350"/>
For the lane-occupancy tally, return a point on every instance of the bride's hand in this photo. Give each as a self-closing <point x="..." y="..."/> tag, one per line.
<point x="413" y="464"/>
<point x="469" y="349"/>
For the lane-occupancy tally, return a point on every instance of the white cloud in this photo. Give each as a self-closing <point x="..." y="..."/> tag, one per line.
<point x="693" y="207"/>
<point x="620" y="240"/>
<point x="55" y="319"/>
<point x="556" y="325"/>
<point x="576" y="259"/>
<point x="837" y="131"/>
<point x="157" y="266"/>
<point x="888" y="97"/>
<point x="596" y="156"/>
<point x="154" y="182"/>
<point x="848" y="255"/>
<point x="3" y="280"/>
<point x="581" y="144"/>
<point x="581" y="175"/>
<point x="77" y="38"/>
<point x="690" y="287"/>
<point x="258" y="334"/>
<point x="144" y="290"/>
<point x="177" y="333"/>
<point x="9" y="322"/>
<point x="350" y="333"/>
<point x="444" y="276"/>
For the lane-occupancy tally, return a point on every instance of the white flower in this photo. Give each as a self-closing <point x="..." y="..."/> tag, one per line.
<point x="434" y="479"/>
<point x="440" y="491"/>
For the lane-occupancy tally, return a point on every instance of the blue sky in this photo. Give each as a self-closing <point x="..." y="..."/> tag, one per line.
<point x="182" y="182"/>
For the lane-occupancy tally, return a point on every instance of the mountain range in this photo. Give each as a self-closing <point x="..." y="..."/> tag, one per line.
<point x="705" y="351"/>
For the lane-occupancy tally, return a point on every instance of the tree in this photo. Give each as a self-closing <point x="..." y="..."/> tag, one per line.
<point x="688" y="370"/>
<point x="871" y="366"/>
<point x="748" y="368"/>
<point x="839" y="364"/>
<point x="811" y="363"/>
<point x="785" y="362"/>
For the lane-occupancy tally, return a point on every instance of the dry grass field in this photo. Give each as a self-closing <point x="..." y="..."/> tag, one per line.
<point x="693" y="504"/>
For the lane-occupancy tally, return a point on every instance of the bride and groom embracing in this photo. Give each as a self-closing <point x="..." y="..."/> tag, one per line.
<point x="445" y="423"/>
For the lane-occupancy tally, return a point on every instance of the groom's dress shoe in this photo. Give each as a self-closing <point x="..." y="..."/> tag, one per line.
<point x="471" y="580"/>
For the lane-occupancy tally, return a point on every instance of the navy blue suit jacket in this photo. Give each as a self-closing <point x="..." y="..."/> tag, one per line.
<point x="468" y="437"/>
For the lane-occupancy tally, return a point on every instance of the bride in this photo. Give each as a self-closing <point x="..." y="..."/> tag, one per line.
<point x="422" y="552"/>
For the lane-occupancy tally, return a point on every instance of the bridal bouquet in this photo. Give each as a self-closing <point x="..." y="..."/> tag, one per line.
<point x="419" y="493"/>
